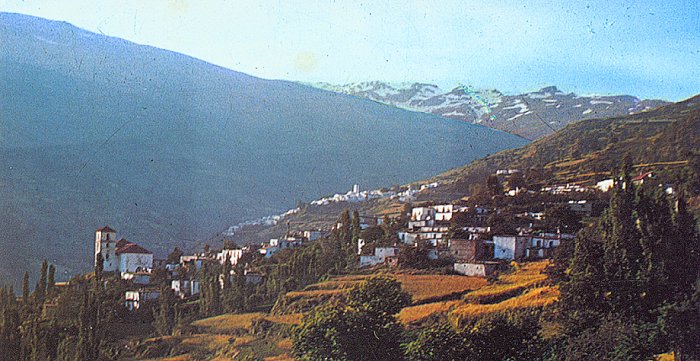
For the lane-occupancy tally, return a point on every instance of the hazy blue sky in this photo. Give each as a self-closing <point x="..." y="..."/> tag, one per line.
<point x="643" y="48"/>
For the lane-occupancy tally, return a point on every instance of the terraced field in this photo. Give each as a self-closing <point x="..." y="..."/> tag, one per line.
<point x="266" y="335"/>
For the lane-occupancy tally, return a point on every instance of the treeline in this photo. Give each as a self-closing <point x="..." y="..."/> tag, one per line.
<point x="52" y="324"/>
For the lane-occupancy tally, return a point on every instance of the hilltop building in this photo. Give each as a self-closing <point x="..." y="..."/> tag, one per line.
<point x="121" y="255"/>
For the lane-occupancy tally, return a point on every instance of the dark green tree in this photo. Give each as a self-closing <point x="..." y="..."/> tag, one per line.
<point x="25" y="289"/>
<point x="363" y="328"/>
<point x="40" y="288"/>
<point x="51" y="282"/>
<point x="494" y="185"/>
<point x="437" y="342"/>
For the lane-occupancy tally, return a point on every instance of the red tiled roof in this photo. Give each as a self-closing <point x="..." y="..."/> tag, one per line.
<point x="641" y="176"/>
<point x="122" y="242"/>
<point x="132" y="248"/>
<point x="106" y="229"/>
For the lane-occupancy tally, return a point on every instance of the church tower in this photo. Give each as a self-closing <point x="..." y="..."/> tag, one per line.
<point x="106" y="245"/>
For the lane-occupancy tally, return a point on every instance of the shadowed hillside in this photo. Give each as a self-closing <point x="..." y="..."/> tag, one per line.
<point x="168" y="149"/>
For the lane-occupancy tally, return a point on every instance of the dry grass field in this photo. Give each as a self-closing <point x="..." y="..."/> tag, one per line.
<point x="433" y="287"/>
<point x="417" y="313"/>
<point x="227" y="336"/>
<point x="525" y="276"/>
<point x="535" y="297"/>
<point x="228" y="323"/>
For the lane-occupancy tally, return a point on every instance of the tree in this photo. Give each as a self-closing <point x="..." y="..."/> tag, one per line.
<point x="680" y="323"/>
<point x="51" y="283"/>
<point x="165" y="320"/>
<point x="501" y="223"/>
<point x="25" y="289"/>
<point x="361" y="328"/>
<point x="40" y="289"/>
<point x="494" y="185"/>
<point x="560" y="217"/>
<point x="379" y="294"/>
<point x="516" y="181"/>
<point x="437" y="342"/>
<point x="628" y="294"/>
<point x="174" y="256"/>
<point x="504" y="336"/>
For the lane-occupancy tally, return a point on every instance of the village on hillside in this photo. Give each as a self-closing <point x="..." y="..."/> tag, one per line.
<point x="470" y="240"/>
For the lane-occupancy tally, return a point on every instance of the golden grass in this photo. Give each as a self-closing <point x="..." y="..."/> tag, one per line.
<point x="666" y="357"/>
<point x="426" y="287"/>
<point x="420" y="287"/>
<point x="285" y="344"/>
<point x="282" y="357"/>
<point x="313" y="293"/>
<point x="184" y="357"/>
<point x="525" y="276"/>
<point x="207" y="341"/>
<point x="415" y="314"/>
<point x="289" y="319"/>
<point x="229" y="322"/>
<point x="536" y="297"/>
<point x="243" y="340"/>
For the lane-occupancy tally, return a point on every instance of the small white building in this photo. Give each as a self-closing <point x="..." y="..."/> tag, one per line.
<point x="478" y="269"/>
<point x="185" y="288"/>
<point x="197" y="260"/>
<point x="133" y="258"/>
<point x="582" y="207"/>
<point x="232" y="254"/>
<point x="443" y="212"/>
<point x="275" y="245"/>
<point x="136" y="299"/>
<point x="605" y="185"/>
<point x="141" y="278"/>
<point x="509" y="247"/>
<point x="314" y="235"/>
<point x="422" y="213"/>
<point x="381" y="255"/>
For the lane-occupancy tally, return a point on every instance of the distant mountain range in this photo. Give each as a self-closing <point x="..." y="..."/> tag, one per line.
<point x="168" y="149"/>
<point x="530" y="115"/>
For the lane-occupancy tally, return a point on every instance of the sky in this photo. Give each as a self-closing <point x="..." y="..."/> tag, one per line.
<point x="650" y="49"/>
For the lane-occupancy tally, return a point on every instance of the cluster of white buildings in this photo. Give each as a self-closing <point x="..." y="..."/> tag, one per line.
<point x="478" y="252"/>
<point x="356" y="195"/>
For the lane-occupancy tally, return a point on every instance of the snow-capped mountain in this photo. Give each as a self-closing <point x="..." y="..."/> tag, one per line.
<point x="530" y="115"/>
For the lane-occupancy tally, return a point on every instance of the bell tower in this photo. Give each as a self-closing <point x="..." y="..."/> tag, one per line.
<point x="105" y="245"/>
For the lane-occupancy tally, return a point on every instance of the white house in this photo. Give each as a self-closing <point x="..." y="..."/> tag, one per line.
<point x="232" y="254"/>
<point x="381" y="255"/>
<point x="133" y="258"/>
<point x="275" y="245"/>
<point x="582" y="207"/>
<point x="135" y="299"/>
<point x="509" y="247"/>
<point x="121" y="256"/>
<point x="443" y="212"/>
<point x="185" y="288"/>
<point x="479" y="269"/>
<point x="314" y="235"/>
<point x="605" y="185"/>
